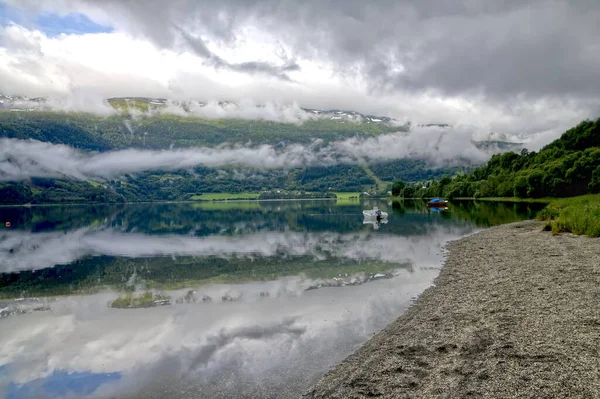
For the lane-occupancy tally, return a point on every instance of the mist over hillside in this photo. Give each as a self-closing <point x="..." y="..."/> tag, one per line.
<point x="158" y="149"/>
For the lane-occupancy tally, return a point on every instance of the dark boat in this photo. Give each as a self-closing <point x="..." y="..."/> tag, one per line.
<point x="437" y="203"/>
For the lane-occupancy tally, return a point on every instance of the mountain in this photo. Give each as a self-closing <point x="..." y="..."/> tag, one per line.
<point x="159" y="124"/>
<point x="155" y="106"/>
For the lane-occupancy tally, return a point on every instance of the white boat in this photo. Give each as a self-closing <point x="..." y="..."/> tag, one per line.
<point x="375" y="213"/>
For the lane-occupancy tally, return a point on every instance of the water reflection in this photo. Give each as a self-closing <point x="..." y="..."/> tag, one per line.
<point x="27" y="251"/>
<point x="258" y="301"/>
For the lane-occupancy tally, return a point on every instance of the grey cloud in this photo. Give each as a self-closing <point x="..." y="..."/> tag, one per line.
<point x="537" y="48"/>
<point x="197" y="45"/>
<point x="250" y="67"/>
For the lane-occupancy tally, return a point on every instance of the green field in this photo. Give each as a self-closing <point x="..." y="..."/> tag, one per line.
<point x="226" y="205"/>
<point x="347" y="196"/>
<point x="577" y="215"/>
<point x="224" y="196"/>
<point x="95" y="183"/>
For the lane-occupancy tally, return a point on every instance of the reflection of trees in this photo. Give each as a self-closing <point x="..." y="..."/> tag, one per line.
<point x="184" y="218"/>
<point x="485" y="213"/>
<point x="48" y="218"/>
<point x="480" y="213"/>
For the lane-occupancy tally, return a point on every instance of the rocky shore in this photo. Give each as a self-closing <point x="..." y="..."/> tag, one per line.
<point x="514" y="313"/>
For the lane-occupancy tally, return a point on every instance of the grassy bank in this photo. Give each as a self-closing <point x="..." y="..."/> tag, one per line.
<point x="577" y="215"/>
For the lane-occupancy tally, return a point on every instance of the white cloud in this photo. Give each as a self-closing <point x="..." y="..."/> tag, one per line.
<point x="79" y="71"/>
<point x="21" y="159"/>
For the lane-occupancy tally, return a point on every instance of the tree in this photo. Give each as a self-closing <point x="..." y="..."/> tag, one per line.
<point x="444" y="181"/>
<point x="520" y="187"/>
<point x="15" y="194"/>
<point x="535" y="184"/>
<point x="397" y="188"/>
<point x="408" y="192"/>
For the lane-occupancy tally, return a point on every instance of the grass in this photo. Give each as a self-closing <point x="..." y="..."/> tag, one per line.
<point x="95" y="184"/>
<point x="226" y="205"/>
<point x="577" y="215"/>
<point x="347" y="196"/>
<point x="380" y="184"/>
<point x="224" y="196"/>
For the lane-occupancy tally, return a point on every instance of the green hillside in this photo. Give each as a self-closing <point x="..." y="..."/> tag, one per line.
<point x="162" y="131"/>
<point x="569" y="166"/>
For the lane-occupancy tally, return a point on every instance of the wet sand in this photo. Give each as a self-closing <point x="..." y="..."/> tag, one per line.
<point x="514" y="313"/>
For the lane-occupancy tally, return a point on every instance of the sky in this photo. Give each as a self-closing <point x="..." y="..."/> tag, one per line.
<point x="513" y="66"/>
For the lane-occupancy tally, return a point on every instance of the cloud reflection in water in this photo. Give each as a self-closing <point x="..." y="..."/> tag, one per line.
<point x="32" y="251"/>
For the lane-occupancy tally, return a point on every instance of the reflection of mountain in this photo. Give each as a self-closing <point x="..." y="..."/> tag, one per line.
<point x="61" y="250"/>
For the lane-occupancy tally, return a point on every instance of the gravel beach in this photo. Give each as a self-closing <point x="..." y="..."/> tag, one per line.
<point x="514" y="313"/>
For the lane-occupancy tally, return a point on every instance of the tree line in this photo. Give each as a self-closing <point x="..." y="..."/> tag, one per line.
<point x="569" y="166"/>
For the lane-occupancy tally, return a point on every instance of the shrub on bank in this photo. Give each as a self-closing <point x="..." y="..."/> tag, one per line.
<point x="577" y="215"/>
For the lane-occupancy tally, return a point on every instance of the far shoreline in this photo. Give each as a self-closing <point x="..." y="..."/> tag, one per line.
<point x="171" y="202"/>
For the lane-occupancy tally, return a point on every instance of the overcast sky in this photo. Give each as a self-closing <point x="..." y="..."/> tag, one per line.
<point x="511" y="66"/>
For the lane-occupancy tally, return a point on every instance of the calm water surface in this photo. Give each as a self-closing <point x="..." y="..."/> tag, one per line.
<point x="237" y="299"/>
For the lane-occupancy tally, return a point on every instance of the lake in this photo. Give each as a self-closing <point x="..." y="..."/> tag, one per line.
<point x="215" y="299"/>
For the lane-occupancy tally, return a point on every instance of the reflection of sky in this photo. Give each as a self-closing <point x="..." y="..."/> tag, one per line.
<point x="280" y="344"/>
<point x="260" y="346"/>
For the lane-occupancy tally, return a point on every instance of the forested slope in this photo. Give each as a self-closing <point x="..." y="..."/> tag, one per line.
<point x="569" y="166"/>
<point x="123" y="130"/>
